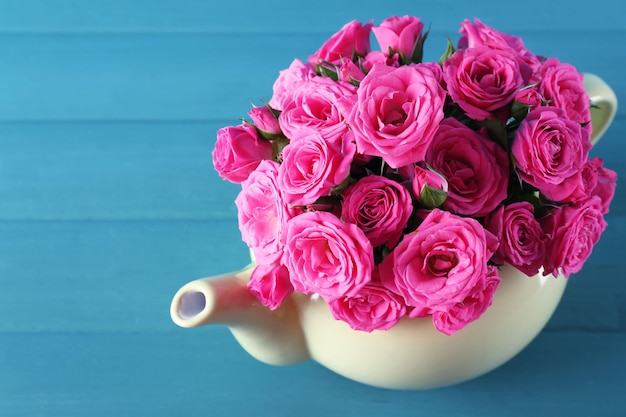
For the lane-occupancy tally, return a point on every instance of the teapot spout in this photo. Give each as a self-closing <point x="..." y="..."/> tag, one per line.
<point x="274" y="337"/>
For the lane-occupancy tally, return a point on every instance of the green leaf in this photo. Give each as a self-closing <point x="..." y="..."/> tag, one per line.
<point x="519" y="110"/>
<point x="277" y="148"/>
<point x="418" y="49"/>
<point x="262" y="133"/>
<point x="326" y="69"/>
<point x="355" y="82"/>
<point x="497" y="132"/>
<point x="275" y="112"/>
<point x="268" y="135"/>
<point x="348" y="181"/>
<point x="380" y="253"/>
<point x="432" y="197"/>
<point x="448" y="52"/>
<point x="532" y="198"/>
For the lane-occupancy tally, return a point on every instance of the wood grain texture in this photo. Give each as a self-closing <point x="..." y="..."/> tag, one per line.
<point x="161" y="77"/>
<point x="325" y="16"/>
<point x="107" y="171"/>
<point x="205" y="373"/>
<point x="109" y="202"/>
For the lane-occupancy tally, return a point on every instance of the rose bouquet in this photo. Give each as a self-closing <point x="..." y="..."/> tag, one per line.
<point x="392" y="187"/>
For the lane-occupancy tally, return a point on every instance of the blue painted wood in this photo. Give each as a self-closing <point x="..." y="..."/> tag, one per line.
<point x="106" y="276"/>
<point x="205" y="76"/>
<point x="323" y="16"/>
<point x="134" y="170"/>
<point x="108" y="203"/>
<point x="203" y="373"/>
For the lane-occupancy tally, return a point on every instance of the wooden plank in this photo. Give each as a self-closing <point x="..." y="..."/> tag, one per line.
<point x="229" y="17"/>
<point x="111" y="171"/>
<point x="108" y="112"/>
<point x="201" y="76"/>
<point x="106" y="276"/>
<point x="199" y="373"/>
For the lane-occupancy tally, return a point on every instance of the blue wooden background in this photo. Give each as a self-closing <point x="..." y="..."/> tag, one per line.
<point x="109" y="202"/>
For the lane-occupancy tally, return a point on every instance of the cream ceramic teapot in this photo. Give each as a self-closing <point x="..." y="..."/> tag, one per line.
<point x="412" y="354"/>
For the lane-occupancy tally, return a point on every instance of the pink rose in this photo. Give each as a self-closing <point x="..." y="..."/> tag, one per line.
<point x="477" y="169"/>
<point x="312" y="167"/>
<point x="238" y="151"/>
<point x="327" y="256"/>
<point x="529" y="97"/>
<point x="396" y="113"/>
<point x="577" y="187"/>
<point x="349" y="72"/>
<point x="430" y="188"/>
<point x="477" y="34"/>
<point x="314" y="105"/>
<point x="399" y="34"/>
<point x="352" y="39"/>
<point x="380" y="207"/>
<point x="437" y="72"/>
<point x="605" y="183"/>
<point x="439" y="264"/>
<point x="520" y="235"/>
<point x="379" y="58"/>
<point x="288" y="81"/>
<point x="262" y="212"/>
<point x="482" y="80"/>
<point x="572" y="231"/>
<point x="264" y="119"/>
<point x="548" y="148"/>
<point x="374" y="307"/>
<point x="474" y="305"/>
<point x="270" y="284"/>
<point x="562" y="85"/>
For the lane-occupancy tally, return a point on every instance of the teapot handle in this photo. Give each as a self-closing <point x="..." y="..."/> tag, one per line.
<point x="603" y="104"/>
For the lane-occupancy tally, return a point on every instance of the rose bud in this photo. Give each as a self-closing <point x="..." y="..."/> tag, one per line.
<point x="352" y="38"/>
<point x="526" y="99"/>
<point x="400" y="34"/>
<point x="349" y="72"/>
<point x="379" y="57"/>
<point x="430" y="188"/>
<point x="529" y="96"/>
<point x="265" y="121"/>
